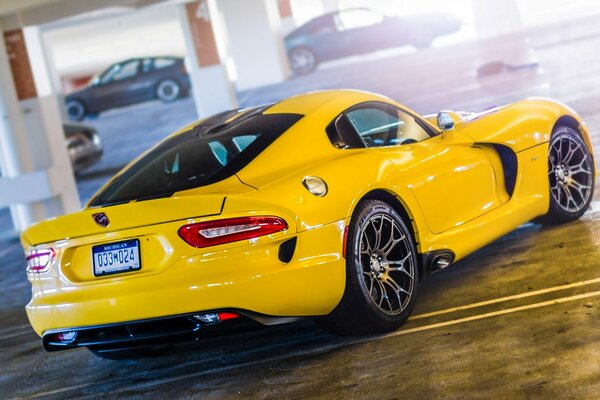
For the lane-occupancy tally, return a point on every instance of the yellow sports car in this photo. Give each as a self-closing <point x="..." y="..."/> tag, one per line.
<point x="332" y="205"/>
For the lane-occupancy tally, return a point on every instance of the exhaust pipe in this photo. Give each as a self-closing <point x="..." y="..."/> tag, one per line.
<point x="441" y="260"/>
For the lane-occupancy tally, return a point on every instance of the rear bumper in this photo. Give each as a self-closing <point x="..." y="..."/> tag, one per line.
<point x="248" y="277"/>
<point x="156" y="331"/>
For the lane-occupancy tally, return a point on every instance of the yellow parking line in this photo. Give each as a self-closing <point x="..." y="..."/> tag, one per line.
<point x="494" y="313"/>
<point x="507" y="298"/>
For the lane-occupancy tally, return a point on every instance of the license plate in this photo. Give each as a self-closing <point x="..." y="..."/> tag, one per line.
<point x="112" y="258"/>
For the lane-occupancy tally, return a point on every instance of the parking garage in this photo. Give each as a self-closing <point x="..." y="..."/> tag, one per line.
<point x="515" y="319"/>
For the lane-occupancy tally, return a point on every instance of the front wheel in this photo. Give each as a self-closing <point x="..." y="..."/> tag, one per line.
<point x="571" y="176"/>
<point x="168" y="91"/>
<point x="381" y="273"/>
<point x="302" y="60"/>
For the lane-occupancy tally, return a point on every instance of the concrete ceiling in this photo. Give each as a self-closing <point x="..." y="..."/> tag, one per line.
<point x="13" y="6"/>
<point x="40" y="12"/>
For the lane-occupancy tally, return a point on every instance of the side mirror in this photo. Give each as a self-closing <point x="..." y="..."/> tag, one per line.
<point x="445" y="121"/>
<point x="95" y="81"/>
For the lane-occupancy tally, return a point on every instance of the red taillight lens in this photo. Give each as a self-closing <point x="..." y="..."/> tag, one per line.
<point x="221" y="231"/>
<point x="39" y="260"/>
<point x="223" y="316"/>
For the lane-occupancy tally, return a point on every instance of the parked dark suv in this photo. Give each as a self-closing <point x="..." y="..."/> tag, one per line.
<point x="130" y="81"/>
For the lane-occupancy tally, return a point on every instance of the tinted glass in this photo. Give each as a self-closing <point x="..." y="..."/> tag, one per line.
<point x="352" y="19"/>
<point x="164" y="62"/>
<point x="210" y="152"/>
<point x="385" y="126"/>
<point x="120" y="71"/>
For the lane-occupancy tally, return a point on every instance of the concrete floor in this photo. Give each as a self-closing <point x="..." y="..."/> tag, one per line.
<point x="517" y="319"/>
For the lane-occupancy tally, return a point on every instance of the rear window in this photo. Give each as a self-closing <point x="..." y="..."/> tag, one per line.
<point x="210" y="152"/>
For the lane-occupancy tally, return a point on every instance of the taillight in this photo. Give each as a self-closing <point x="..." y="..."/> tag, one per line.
<point x="40" y="260"/>
<point x="211" y="233"/>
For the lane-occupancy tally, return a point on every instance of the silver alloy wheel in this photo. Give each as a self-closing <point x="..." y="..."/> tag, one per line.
<point x="302" y="60"/>
<point x="571" y="173"/>
<point x="167" y="90"/>
<point x="75" y="110"/>
<point x="387" y="264"/>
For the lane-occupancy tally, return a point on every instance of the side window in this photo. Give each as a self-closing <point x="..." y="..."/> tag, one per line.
<point x="160" y="63"/>
<point x="147" y="65"/>
<point x="118" y="72"/>
<point x="383" y="125"/>
<point x="322" y="25"/>
<point x="358" y="18"/>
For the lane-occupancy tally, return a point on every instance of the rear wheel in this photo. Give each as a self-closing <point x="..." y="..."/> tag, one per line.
<point x="571" y="176"/>
<point x="76" y="110"/>
<point x="168" y="91"/>
<point x="381" y="273"/>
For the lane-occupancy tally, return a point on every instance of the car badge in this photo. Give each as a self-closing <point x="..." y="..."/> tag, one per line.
<point x="101" y="219"/>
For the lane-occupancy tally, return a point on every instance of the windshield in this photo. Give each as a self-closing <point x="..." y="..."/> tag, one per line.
<point x="208" y="153"/>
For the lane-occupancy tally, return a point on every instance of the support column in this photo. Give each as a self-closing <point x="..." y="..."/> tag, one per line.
<point x="37" y="179"/>
<point x="287" y="16"/>
<point x="330" y="6"/>
<point x="512" y="51"/>
<point x="211" y="87"/>
<point x="494" y="18"/>
<point x="255" y="41"/>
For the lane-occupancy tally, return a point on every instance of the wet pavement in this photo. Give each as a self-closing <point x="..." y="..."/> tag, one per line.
<point x="517" y="319"/>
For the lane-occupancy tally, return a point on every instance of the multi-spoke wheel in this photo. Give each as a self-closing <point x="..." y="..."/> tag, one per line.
<point x="571" y="176"/>
<point x="381" y="273"/>
<point x="302" y="60"/>
<point x="168" y="91"/>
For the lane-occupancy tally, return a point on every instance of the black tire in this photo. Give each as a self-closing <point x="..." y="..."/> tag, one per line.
<point x="76" y="110"/>
<point x="131" y="354"/>
<point x="571" y="174"/>
<point x="368" y="304"/>
<point x="168" y="90"/>
<point x="302" y="60"/>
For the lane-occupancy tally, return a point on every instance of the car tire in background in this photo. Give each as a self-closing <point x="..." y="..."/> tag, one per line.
<point x="571" y="176"/>
<point x="422" y="41"/>
<point x="76" y="110"/>
<point x="302" y="60"/>
<point x="168" y="90"/>
<point x="381" y="273"/>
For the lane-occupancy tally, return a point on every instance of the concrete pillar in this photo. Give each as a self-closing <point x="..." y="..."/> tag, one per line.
<point x="498" y="18"/>
<point x="287" y="16"/>
<point x="255" y="41"/>
<point x="37" y="179"/>
<point x="44" y="121"/>
<point x="211" y="87"/>
<point x="330" y="6"/>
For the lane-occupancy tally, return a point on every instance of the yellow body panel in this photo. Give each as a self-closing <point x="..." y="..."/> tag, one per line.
<point x="451" y="186"/>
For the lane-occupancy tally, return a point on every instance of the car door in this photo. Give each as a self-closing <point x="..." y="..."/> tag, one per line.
<point x="118" y="85"/>
<point x="325" y="39"/>
<point x="453" y="181"/>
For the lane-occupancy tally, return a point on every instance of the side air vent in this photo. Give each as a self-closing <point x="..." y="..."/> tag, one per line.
<point x="287" y="249"/>
<point x="509" y="166"/>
